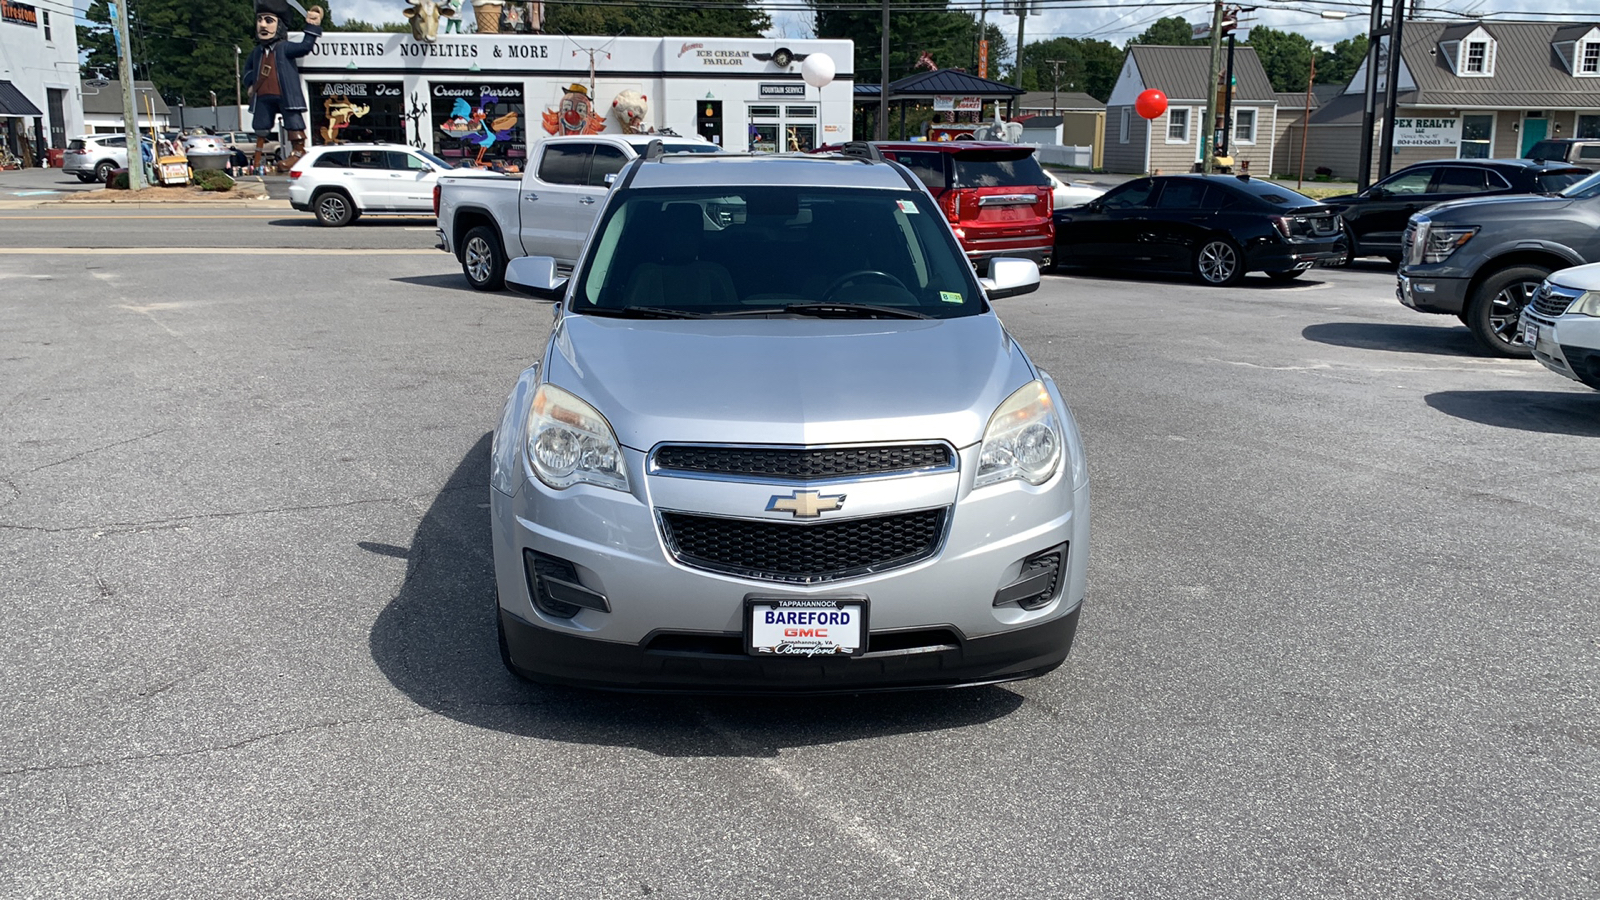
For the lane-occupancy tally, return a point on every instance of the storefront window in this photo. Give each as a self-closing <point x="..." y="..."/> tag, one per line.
<point x="1588" y="127"/>
<point x="344" y="112"/>
<point x="1477" y="136"/>
<point x="479" y="123"/>
<point x="782" y="129"/>
<point x="764" y="138"/>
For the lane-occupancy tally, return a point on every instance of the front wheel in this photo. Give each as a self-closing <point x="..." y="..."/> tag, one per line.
<point x="1495" y="311"/>
<point x="334" y="209"/>
<point x="483" y="260"/>
<point x="1218" y="262"/>
<point x="84" y="177"/>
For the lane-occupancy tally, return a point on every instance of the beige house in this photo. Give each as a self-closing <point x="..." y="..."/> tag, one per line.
<point x="1471" y="91"/>
<point x="1171" y="142"/>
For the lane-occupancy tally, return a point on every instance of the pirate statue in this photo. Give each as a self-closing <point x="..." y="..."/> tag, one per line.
<point x="273" y="79"/>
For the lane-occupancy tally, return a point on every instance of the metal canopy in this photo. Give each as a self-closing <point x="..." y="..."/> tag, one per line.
<point x="13" y="103"/>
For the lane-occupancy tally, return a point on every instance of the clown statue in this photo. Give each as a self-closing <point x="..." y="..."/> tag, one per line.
<point x="272" y="77"/>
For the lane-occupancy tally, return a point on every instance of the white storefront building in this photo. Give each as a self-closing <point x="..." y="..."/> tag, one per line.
<point x="488" y="96"/>
<point x="39" y="101"/>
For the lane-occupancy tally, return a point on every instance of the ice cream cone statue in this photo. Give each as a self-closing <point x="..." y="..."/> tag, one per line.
<point x="488" y="12"/>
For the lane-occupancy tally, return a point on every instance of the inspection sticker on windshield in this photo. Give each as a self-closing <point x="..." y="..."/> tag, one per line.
<point x="907" y="207"/>
<point x="950" y="296"/>
<point x="805" y="627"/>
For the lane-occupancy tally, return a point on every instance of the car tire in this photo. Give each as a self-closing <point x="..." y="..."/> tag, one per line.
<point x="333" y="209"/>
<point x="483" y="259"/>
<point x="1290" y="275"/>
<point x="1218" y="262"/>
<point x="103" y="171"/>
<point x="85" y="177"/>
<point x="1496" y="306"/>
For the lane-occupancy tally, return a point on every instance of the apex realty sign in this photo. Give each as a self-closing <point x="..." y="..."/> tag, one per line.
<point x="1427" y="132"/>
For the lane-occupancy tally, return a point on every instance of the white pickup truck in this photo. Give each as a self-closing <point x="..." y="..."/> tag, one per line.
<point x="484" y="222"/>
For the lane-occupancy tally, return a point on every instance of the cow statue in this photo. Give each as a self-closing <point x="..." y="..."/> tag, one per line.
<point x="424" y="16"/>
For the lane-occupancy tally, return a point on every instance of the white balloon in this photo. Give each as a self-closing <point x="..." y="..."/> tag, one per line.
<point x="817" y="69"/>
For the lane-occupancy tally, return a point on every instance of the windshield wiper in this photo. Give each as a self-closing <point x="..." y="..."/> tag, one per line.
<point x="641" y="312"/>
<point x="852" y="311"/>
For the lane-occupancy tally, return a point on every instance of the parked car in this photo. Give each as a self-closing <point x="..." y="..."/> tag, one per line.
<point x="243" y="145"/>
<point x="1064" y="194"/>
<point x="1216" y="227"/>
<point x="1572" y="150"/>
<point x="1482" y="260"/>
<point x="340" y="182"/>
<point x="1561" y="325"/>
<point x="484" y="222"/>
<point x="93" y="157"/>
<point x="996" y="196"/>
<point x="779" y="441"/>
<point x="1376" y="218"/>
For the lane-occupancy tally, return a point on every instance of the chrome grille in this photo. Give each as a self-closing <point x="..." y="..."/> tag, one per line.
<point x="1553" y="301"/>
<point x="803" y="463"/>
<point x="803" y="554"/>
<point x="1406" y="243"/>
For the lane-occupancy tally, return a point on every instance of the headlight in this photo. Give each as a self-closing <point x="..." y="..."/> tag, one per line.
<point x="1444" y="241"/>
<point x="1023" y="439"/>
<point x="569" y="441"/>
<point x="1587" y="304"/>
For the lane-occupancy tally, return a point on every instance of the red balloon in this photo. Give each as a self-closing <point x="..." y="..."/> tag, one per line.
<point x="1151" y="104"/>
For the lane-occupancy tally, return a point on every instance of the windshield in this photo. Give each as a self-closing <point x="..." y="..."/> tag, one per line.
<point x="1275" y="194"/>
<point x="1559" y="180"/>
<point x="1583" y="190"/>
<point x="434" y="159"/>
<point x="736" y="251"/>
<point x="1002" y="168"/>
<point x="690" y="148"/>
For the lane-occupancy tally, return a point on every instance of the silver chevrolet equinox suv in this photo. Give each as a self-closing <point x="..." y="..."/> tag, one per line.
<point x="780" y="442"/>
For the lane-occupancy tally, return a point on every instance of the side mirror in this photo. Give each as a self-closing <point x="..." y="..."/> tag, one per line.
<point x="535" y="276"/>
<point x="1096" y="206"/>
<point x="1010" y="278"/>
<point x="1377" y="193"/>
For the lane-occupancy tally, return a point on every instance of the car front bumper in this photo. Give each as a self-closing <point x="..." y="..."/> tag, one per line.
<point x="672" y="626"/>
<point x="1431" y="294"/>
<point x="1566" y="345"/>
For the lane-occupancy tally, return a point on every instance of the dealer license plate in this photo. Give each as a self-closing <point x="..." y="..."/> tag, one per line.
<point x="825" y="627"/>
<point x="1530" y="333"/>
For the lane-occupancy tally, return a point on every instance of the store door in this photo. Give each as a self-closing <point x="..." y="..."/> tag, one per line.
<point x="708" y="120"/>
<point x="1534" y="130"/>
<point x="56" y="99"/>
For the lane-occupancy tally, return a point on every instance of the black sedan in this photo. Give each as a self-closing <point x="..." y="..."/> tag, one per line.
<point x="1375" y="219"/>
<point x="1217" y="227"/>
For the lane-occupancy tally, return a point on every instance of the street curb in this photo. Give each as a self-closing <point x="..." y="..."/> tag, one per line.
<point x="264" y="203"/>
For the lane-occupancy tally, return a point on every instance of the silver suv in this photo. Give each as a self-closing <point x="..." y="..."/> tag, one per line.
<point x="780" y="441"/>
<point x="93" y="157"/>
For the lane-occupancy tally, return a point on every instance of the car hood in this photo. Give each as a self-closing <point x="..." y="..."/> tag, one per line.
<point x="789" y="381"/>
<point x="1474" y="211"/>
<point x="1583" y="278"/>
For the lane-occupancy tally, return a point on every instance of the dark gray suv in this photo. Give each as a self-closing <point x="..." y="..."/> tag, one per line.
<point x="1483" y="259"/>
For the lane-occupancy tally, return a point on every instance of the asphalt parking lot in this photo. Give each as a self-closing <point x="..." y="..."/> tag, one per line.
<point x="1339" y="640"/>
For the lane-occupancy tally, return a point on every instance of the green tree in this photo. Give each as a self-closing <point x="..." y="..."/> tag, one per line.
<point x="1340" y="65"/>
<point x="949" y="38"/>
<point x="1085" y="65"/>
<point x="374" y="27"/>
<point x="1169" y="31"/>
<point x="1285" y="56"/>
<point x="746" y="20"/>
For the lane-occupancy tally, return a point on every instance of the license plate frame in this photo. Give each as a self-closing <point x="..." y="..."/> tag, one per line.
<point x="768" y="639"/>
<point x="1530" y="334"/>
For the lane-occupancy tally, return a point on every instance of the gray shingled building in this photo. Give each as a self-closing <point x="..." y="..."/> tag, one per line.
<point x="1472" y="90"/>
<point x="1171" y="142"/>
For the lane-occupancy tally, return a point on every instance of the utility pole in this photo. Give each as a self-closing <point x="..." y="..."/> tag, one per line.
<point x="1305" y="123"/>
<point x="1227" y="100"/>
<point x="1368" y="110"/>
<point x="883" y="76"/>
<point x="1055" y="84"/>
<point x="1206" y="147"/>
<point x="1391" y="89"/>
<point x="1022" y="26"/>
<point x="130" y="114"/>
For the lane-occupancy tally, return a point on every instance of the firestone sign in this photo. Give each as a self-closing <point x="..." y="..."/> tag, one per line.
<point x="1427" y="132"/>
<point x="19" y="13"/>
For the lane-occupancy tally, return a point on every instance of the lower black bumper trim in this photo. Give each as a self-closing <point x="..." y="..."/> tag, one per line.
<point x="544" y="655"/>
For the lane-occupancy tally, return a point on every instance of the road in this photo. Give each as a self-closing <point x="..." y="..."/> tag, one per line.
<point x="1339" y="640"/>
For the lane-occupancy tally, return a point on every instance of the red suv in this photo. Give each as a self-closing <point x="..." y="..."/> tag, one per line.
<point x="995" y="195"/>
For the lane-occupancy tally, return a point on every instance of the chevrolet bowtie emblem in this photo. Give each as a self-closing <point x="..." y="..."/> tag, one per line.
<point x="805" y="504"/>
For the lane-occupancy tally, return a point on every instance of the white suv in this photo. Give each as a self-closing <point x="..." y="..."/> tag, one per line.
<point x="339" y="182"/>
<point x="1561" y="324"/>
<point x="93" y="157"/>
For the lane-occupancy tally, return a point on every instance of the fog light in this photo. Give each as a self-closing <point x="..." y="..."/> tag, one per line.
<point x="1422" y="287"/>
<point x="553" y="585"/>
<point x="1039" y="582"/>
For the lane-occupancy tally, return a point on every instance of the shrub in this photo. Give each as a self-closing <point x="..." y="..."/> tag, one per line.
<point x="213" y="180"/>
<point x="1324" y="170"/>
<point x="120" y="183"/>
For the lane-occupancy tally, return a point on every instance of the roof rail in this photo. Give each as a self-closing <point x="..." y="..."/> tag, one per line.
<point x="654" y="149"/>
<point x="862" y="150"/>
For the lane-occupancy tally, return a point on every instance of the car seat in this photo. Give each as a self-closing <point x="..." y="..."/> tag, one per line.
<point x="678" y="278"/>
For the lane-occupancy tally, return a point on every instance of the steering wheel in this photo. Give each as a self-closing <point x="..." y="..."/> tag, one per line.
<point x="848" y="277"/>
